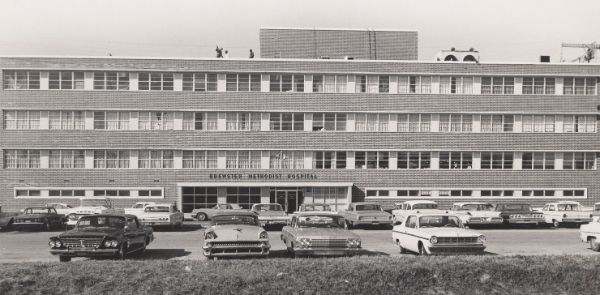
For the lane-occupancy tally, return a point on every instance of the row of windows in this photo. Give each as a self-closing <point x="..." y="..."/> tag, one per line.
<point x="82" y="193"/>
<point x="380" y="193"/>
<point x="202" y="159"/>
<point x="251" y="82"/>
<point x="235" y="121"/>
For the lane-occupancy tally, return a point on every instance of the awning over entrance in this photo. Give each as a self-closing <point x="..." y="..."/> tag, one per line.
<point x="268" y="184"/>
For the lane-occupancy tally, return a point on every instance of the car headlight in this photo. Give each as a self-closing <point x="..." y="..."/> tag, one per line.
<point x="433" y="240"/>
<point x="353" y="243"/>
<point x="52" y="244"/>
<point x="73" y="217"/>
<point x="481" y="239"/>
<point x="304" y="242"/>
<point x="263" y="235"/>
<point x="210" y="235"/>
<point x="111" y="243"/>
<point x="55" y="244"/>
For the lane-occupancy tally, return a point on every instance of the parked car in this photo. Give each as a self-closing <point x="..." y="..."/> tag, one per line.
<point x="270" y="214"/>
<point x="314" y="207"/>
<point x="161" y="215"/>
<point x="590" y="233"/>
<point x="427" y="233"/>
<point x="596" y="210"/>
<point x="363" y="213"/>
<point x="319" y="233"/>
<point x="410" y="207"/>
<point x="91" y="206"/>
<point x="476" y="213"/>
<point x="565" y="212"/>
<point x="235" y="234"/>
<point x="207" y="213"/>
<point x="519" y="214"/>
<point x="115" y="235"/>
<point x="45" y="218"/>
<point x="61" y="208"/>
<point x="138" y="207"/>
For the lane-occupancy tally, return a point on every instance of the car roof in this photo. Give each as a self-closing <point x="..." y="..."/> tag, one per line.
<point x="41" y="207"/>
<point x="315" y="204"/>
<point x="235" y="213"/>
<point x="161" y="204"/>
<point x="365" y="203"/>
<point x="470" y="203"/>
<point x="305" y="213"/>
<point x="266" y="204"/>
<point x="431" y="214"/>
<point x="412" y="202"/>
<point x="111" y="215"/>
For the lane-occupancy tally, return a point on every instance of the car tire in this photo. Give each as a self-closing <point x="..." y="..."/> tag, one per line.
<point x="201" y="216"/>
<point x="64" y="258"/>
<point x="594" y="244"/>
<point x="122" y="252"/>
<point x="555" y="223"/>
<point x="350" y="225"/>
<point x="422" y="250"/>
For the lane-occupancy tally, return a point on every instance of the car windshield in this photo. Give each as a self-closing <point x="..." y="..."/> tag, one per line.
<point x="320" y="221"/>
<point x="268" y="207"/>
<point x="368" y="207"/>
<point x="157" y="209"/>
<point x="222" y="206"/>
<point x="101" y="221"/>
<point x="514" y="207"/>
<point x="425" y="206"/>
<point x="477" y="207"/>
<point x="568" y="207"/>
<point x="317" y="207"/>
<point x="38" y="211"/>
<point x="235" y="219"/>
<point x="439" y="221"/>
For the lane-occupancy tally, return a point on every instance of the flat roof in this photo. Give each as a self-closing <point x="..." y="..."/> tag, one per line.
<point x="339" y="29"/>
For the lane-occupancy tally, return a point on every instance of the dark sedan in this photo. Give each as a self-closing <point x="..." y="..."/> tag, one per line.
<point x="519" y="214"/>
<point x="45" y="218"/>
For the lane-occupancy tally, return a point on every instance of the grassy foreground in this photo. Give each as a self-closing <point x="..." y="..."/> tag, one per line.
<point x="357" y="275"/>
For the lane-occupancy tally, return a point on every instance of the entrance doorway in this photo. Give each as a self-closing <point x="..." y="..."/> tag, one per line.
<point x="289" y="198"/>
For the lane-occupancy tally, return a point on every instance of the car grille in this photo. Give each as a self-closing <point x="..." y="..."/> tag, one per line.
<point x="328" y="243"/>
<point x="87" y="242"/>
<point x="449" y="240"/>
<point x="237" y="244"/>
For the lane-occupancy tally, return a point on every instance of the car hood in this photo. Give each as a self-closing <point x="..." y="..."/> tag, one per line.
<point x="371" y="213"/>
<point x="324" y="233"/>
<point x="520" y="212"/>
<point x="91" y="232"/>
<point x="480" y="213"/>
<point x="235" y="232"/>
<point x="448" y="232"/>
<point x="270" y="213"/>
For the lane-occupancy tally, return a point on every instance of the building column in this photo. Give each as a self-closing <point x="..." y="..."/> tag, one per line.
<point x="518" y="124"/>
<point x="134" y="157"/>
<point x="221" y="194"/>
<point x="435" y="123"/>
<point x="393" y="161"/>
<point x="265" y="119"/>
<point x="350" y="160"/>
<point x="518" y="85"/>
<point x="518" y="161"/>
<point x="133" y="81"/>
<point x="265" y="160"/>
<point x="308" y="160"/>
<point x="308" y="83"/>
<point x="435" y="161"/>
<point x="178" y="82"/>
<point x="476" y="85"/>
<point x="44" y="120"/>
<point x="476" y="124"/>
<point x="393" y="84"/>
<point x="476" y="161"/>
<point x="393" y="123"/>
<point x="559" y="124"/>
<point x="89" y="159"/>
<point x="558" y="161"/>
<point x="351" y="86"/>
<point x="265" y="83"/>
<point x="44" y="80"/>
<point x="221" y="159"/>
<point x="88" y="80"/>
<point x="44" y="159"/>
<point x="265" y="195"/>
<point x="221" y="82"/>
<point x="435" y="85"/>
<point x="89" y="120"/>
<point x="221" y="121"/>
<point x="134" y="120"/>
<point x="559" y="85"/>
<point x="308" y="121"/>
<point x="350" y="122"/>
<point x="178" y="159"/>
<point x="177" y="120"/>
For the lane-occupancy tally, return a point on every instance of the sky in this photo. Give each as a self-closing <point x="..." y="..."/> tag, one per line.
<point x="503" y="31"/>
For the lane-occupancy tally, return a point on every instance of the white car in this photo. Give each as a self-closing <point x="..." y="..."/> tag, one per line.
<point x="61" y="208"/>
<point x="565" y="212"/>
<point x="89" y="207"/>
<point x="428" y="234"/>
<point x="409" y="207"/>
<point x="161" y="215"/>
<point x="138" y="207"/>
<point x="590" y="233"/>
<point x="476" y="213"/>
<point x="236" y="234"/>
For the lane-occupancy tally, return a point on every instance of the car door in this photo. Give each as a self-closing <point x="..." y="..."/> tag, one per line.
<point x="411" y="234"/>
<point x="288" y="232"/>
<point x="134" y="233"/>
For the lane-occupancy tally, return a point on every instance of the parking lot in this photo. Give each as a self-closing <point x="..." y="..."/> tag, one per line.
<point x="18" y="246"/>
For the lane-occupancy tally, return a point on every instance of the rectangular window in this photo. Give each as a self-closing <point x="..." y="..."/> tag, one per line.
<point x="242" y="121"/>
<point x="155" y="81"/>
<point x="414" y="122"/>
<point x="456" y="123"/>
<point x="497" y="123"/>
<point x="538" y="160"/>
<point x="22" y="120"/>
<point x="198" y="197"/>
<point x="372" y="122"/>
<point x="286" y="83"/>
<point x="330" y="83"/>
<point x="579" y="161"/>
<point x="371" y="160"/>
<point x="456" y="160"/>
<point x="579" y="86"/>
<point x="199" y="159"/>
<point x="242" y="159"/>
<point x="414" y="160"/>
<point x="286" y="160"/>
<point x="329" y="160"/>
<point x="155" y="120"/>
<point x="497" y="160"/>
<point x="65" y="80"/>
<point x="287" y="122"/>
<point x="66" y="159"/>
<point x="579" y="123"/>
<point x="155" y="159"/>
<point x="497" y="85"/>
<point x="202" y="121"/>
<point x="538" y="85"/>
<point x="384" y="84"/>
<point x="243" y="82"/>
<point x="456" y="85"/>
<point x="538" y="123"/>
<point x="111" y="159"/>
<point x="414" y="84"/>
<point x="21" y="159"/>
<point x="21" y="80"/>
<point x="461" y="193"/>
<point x="111" y="121"/>
<point x="329" y="122"/>
<point x="203" y="82"/>
<point x="243" y="196"/>
<point x="111" y="81"/>
<point x="68" y="120"/>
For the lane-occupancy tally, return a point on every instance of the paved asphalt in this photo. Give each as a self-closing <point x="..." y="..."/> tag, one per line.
<point x="18" y="246"/>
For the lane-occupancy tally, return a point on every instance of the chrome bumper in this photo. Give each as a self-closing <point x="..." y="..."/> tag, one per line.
<point x="84" y="252"/>
<point x="457" y="249"/>
<point x="326" y="251"/>
<point x="236" y="251"/>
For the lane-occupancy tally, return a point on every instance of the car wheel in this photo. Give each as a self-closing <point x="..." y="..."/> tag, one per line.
<point x="121" y="254"/>
<point x="64" y="258"/>
<point x="555" y="223"/>
<point x="201" y="216"/>
<point x="349" y="224"/>
<point x="422" y="250"/>
<point x="594" y="244"/>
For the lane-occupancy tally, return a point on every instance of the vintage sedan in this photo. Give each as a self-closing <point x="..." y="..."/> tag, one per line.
<point x="596" y="210"/>
<point x="91" y="206"/>
<point x="565" y="212"/>
<point x="519" y="214"/>
<point x="138" y="207"/>
<point x="402" y="210"/>
<point x="476" y="213"/>
<point x="366" y="214"/>
<point x="235" y="234"/>
<point x="319" y="233"/>
<point x="270" y="214"/>
<point x="112" y="235"/>
<point x="590" y="233"/>
<point x="39" y="217"/>
<point x="427" y="234"/>
<point x="161" y="215"/>
<point x="207" y="213"/>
